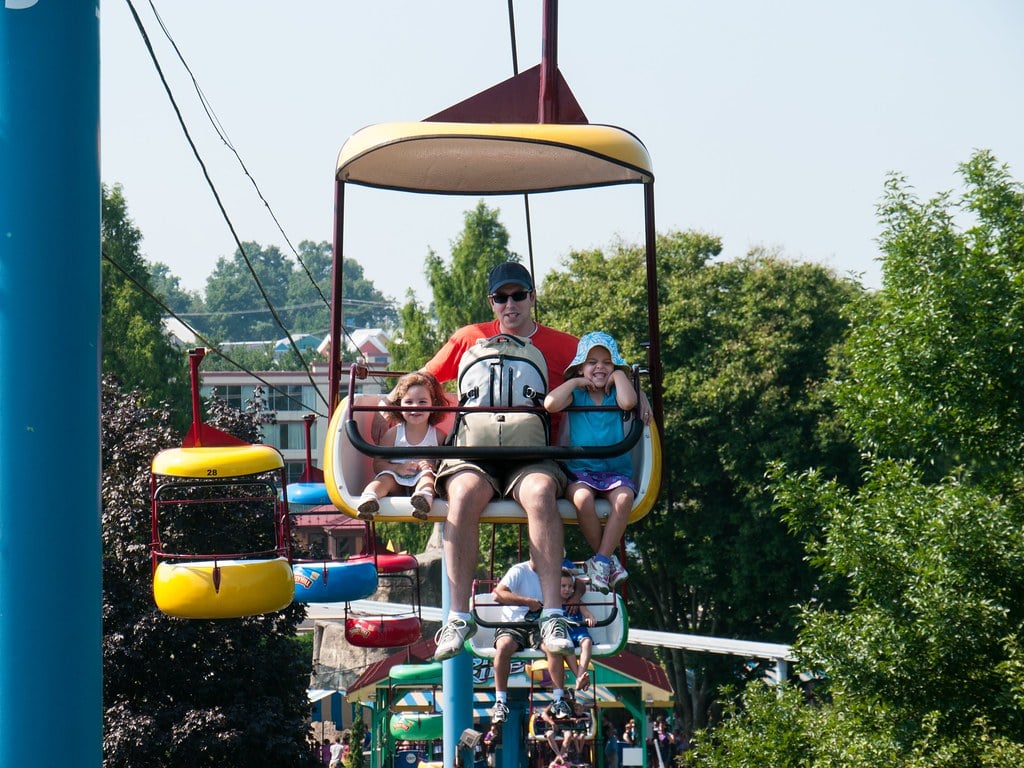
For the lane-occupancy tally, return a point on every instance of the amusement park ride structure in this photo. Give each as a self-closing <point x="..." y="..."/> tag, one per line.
<point x="524" y="136"/>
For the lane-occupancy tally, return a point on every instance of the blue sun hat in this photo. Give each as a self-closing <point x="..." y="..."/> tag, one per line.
<point x="587" y="343"/>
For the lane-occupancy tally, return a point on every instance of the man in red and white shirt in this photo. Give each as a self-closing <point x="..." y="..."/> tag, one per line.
<point x="536" y="484"/>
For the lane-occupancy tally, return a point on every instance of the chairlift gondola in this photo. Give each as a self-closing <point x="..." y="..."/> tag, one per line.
<point x="212" y="481"/>
<point x="321" y="580"/>
<point x="609" y="632"/>
<point x="387" y="630"/>
<point x="415" y="722"/>
<point x="478" y="158"/>
<point x="310" y="489"/>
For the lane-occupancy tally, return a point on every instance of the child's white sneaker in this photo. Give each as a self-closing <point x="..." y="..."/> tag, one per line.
<point x="618" y="573"/>
<point x="599" y="574"/>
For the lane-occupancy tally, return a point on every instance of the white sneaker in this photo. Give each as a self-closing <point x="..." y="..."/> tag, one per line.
<point x="618" y="573"/>
<point x="561" y="709"/>
<point x="499" y="712"/>
<point x="554" y="635"/>
<point x="452" y="637"/>
<point x="599" y="574"/>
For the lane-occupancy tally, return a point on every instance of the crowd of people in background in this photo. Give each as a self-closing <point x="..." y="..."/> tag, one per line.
<point x="664" y="736"/>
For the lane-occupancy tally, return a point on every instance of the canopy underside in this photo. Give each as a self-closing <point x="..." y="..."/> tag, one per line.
<point x="485" y="159"/>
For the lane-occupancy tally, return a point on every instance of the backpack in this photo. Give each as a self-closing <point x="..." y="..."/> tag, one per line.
<point x="502" y="371"/>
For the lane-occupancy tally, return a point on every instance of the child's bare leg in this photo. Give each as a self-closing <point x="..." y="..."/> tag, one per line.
<point x="582" y="497"/>
<point x="381" y="486"/>
<point x="621" y="500"/>
<point x="573" y="665"/>
<point x="586" y="649"/>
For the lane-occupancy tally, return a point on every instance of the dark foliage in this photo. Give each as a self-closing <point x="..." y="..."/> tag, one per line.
<point x="179" y="692"/>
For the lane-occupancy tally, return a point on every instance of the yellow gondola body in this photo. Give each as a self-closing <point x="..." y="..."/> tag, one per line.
<point x="247" y="588"/>
<point x="210" y="587"/>
<point x="217" y="461"/>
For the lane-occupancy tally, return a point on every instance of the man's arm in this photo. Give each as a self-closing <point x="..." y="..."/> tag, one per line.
<point x="505" y="596"/>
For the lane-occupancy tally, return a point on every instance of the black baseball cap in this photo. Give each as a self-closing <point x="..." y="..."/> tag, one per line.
<point x="509" y="272"/>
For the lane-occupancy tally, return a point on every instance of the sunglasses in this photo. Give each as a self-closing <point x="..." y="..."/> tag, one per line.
<point x="501" y="298"/>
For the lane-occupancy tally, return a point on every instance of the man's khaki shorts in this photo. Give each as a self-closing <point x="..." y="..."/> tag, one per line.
<point x="503" y="476"/>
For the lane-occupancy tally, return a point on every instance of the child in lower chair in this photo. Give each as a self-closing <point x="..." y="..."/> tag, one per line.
<point x="408" y="429"/>
<point x="579" y="618"/>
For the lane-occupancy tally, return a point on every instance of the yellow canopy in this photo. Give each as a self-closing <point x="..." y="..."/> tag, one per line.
<point x="492" y="158"/>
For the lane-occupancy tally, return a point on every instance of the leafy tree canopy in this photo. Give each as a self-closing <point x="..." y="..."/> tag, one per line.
<point x="186" y="692"/>
<point x="745" y="348"/>
<point x="419" y="339"/>
<point x="136" y="349"/>
<point x="309" y="294"/>
<point x="936" y="359"/>
<point x="459" y="288"/>
<point x="167" y="286"/>
<point x="234" y="297"/>
<point x="925" y="666"/>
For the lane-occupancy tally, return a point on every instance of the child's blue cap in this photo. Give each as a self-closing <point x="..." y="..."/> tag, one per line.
<point x="587" y="343"/>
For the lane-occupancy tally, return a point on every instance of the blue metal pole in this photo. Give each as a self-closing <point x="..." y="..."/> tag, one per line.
<point x="512" y="753"/>
<point x="50" y="546"/>
<point x="456" y="684"/>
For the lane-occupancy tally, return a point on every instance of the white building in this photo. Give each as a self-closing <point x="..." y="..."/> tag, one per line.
<point x="292" y="395"/>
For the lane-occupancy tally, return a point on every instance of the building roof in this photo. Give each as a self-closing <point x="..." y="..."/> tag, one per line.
<point x="302" y="341"/>
<point x="363" y="339"/>
<point x="180" y="333"/>
<point x="420" y="652"/>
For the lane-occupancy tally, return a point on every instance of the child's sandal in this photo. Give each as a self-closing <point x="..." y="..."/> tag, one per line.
<point x="421" y="502"/>
<point x="368" y="506"/>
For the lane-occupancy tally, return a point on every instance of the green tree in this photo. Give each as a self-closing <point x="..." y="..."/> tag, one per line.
<point x="941" y="384"/>
<point x="309" y="294"/>
<point x="167" y="286"/>
<point x="309" y="290"/>
<point x="185" y="692"/>
<point x="460" y="287"/>
<point x="419" y="338"/>
<point x="136" y="348"/>
<point x="260" y="358"/>
<point x="925" y="667"/>
<point x="745" y="349"/>
<point x="355" y="757"/>
<point x="239" y="309"/>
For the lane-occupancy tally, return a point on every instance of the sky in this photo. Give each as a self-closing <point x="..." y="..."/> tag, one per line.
<point x="769" y="124"/>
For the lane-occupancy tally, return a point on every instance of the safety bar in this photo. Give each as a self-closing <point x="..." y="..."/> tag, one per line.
<point x="495" y="452"/>
<point x="603" y="622"/>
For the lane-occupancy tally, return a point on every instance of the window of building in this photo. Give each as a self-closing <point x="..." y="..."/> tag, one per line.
<point x="294" y="469"/>
<point x="288" y="436"/>
<point x="233" y="394"/>
<point x="287" y="397"/>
